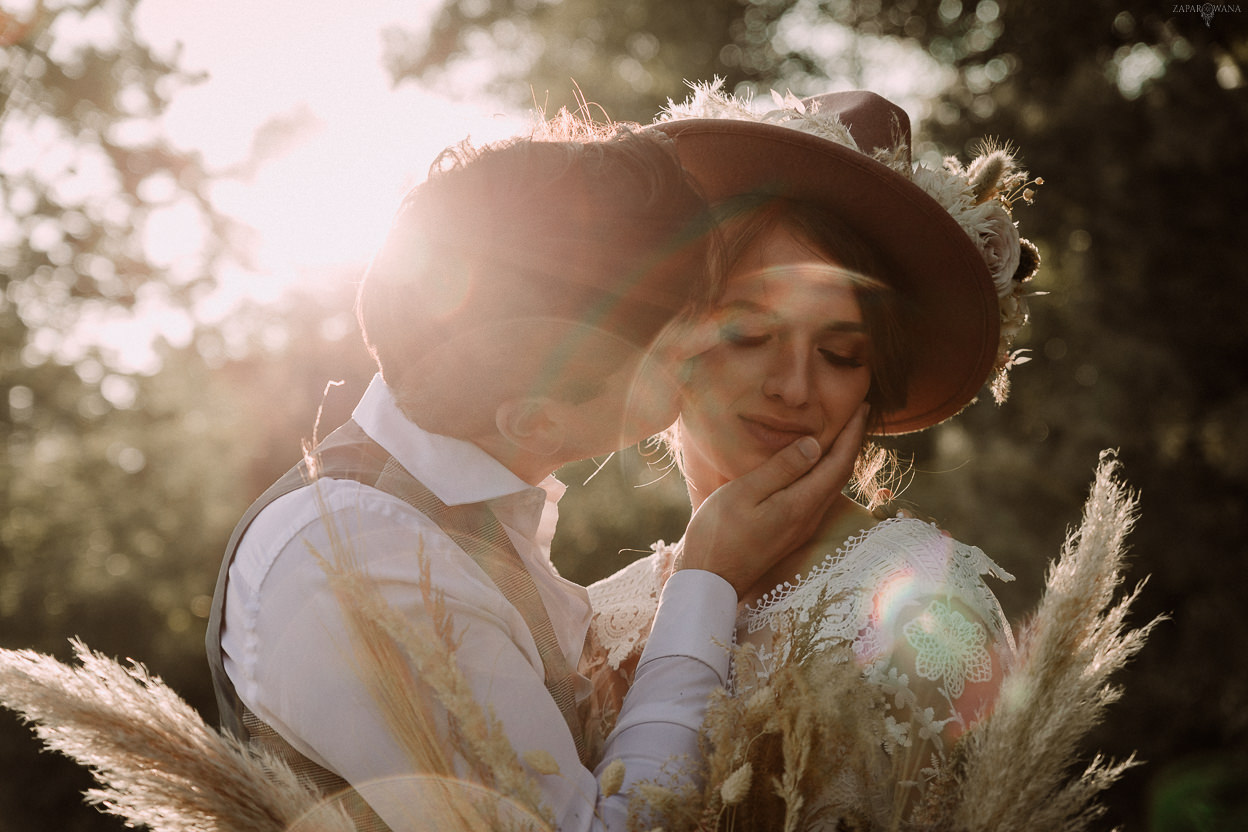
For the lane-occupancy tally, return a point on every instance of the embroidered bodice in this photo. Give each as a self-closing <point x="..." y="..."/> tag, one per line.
<point x="908" y="600"/>
<point x="888" y="582"/>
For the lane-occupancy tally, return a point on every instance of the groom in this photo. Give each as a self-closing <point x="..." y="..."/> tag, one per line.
<point x="525" y="311"/>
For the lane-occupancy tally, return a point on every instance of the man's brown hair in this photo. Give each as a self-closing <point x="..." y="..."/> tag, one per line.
<point x="511" y="249"/>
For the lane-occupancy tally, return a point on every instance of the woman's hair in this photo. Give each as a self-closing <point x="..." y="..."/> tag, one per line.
<point x="742" y="221"/>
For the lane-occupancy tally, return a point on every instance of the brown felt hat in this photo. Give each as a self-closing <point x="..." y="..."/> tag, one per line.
<point x="932" y="261"/>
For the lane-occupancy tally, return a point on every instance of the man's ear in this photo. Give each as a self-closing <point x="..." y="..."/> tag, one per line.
<point x="532" y="423"/>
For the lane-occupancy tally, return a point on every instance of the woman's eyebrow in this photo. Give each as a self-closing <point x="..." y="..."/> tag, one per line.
<point x="836" y="327"/>
<point x="830" y="328"/>
<point x="743" y="305"/>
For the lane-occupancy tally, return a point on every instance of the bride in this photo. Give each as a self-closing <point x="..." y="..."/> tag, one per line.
<point x="852" y="281"/>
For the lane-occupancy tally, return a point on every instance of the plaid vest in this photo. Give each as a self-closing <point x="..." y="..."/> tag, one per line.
<point x="349" y="453"/>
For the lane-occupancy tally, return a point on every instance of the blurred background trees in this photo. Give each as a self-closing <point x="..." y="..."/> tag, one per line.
<point x="99" y="483"/>
<point x="118" y="489"/>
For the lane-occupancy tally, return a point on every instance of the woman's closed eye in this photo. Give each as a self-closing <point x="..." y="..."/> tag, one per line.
<point x="840" y="359"/>
<point x="743" y="337"/>
<point x="849" y="357"/>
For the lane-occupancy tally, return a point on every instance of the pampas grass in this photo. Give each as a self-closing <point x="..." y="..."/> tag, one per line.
<point x="161" y="766"/>
<point x="782" y="751"/>
<point x="1016" y="763"/>
<point x="776" y="751"/>
<point x="406" y="705"/>
<point x="158" y="764"/>
<point x="796" y="749"/>
<point x="409" y="666"/>
<point x="801" y="748"/>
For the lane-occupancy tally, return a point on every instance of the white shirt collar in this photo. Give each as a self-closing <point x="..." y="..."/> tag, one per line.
<point x="456" y="471"/>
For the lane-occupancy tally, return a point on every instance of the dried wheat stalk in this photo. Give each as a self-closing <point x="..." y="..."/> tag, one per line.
<point x="158" y="764"/>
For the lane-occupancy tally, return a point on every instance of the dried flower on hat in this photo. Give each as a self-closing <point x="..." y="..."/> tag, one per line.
<point x="995" y="183"/>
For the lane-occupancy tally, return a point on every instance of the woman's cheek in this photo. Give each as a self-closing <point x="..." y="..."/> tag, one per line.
<point x="710" y="374"/>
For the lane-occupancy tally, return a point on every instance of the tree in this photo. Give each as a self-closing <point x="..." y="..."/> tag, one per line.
<point x="109" y="516"/>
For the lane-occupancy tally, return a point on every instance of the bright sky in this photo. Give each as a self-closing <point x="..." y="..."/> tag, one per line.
<point x="328" y="200"/>
<point x="317" y="63"/>
<point x="322" y="201"/>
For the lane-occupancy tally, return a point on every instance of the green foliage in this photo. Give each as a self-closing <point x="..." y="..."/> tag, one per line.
<point x="629" y="58"/>
<point x="614" y="509"/>
<point x="1141" y="345"/>
<point x="624" y="56"/>
<point x="117" y="489"/>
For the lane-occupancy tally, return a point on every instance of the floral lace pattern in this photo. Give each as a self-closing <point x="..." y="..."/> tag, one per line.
<point x="951" y="648"/>
<point x="896" y="556"/>
<point x="625" y="603"/>
<point x="890" y="564"/>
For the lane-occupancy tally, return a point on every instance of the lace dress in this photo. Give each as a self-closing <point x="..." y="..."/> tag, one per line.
<point x="903" y="598"/>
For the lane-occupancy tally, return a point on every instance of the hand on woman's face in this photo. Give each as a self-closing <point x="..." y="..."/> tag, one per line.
<point x="793" y="358"/>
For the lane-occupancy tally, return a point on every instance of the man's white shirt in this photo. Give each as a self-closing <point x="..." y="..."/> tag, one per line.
<point x="287" y="651"/>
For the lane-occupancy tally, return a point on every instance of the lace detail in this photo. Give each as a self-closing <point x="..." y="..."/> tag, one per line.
<point x="625" y="603"/>
<point x="908" y="600"/>
<point x="912" y="605"/>
<point x="950" y="648"/>
<point x="871" y="577"/>
<point x="875" y="574"/>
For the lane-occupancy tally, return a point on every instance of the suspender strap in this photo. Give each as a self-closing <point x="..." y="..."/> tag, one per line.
<point x="260" y="735"/>
<point x="477" y="531"/>
<point x="349" y="453"/>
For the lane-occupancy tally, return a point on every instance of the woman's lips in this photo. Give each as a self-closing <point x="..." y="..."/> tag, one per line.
<point x="773" y="434"/>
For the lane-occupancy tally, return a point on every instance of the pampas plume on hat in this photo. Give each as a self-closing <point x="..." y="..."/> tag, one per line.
<point x="988" y="172"/>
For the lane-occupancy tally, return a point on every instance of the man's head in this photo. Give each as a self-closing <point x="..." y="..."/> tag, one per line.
<point x="531" y="271"/>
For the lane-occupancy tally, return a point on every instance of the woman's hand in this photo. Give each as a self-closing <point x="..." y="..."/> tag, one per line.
<point x="747" y="525"/>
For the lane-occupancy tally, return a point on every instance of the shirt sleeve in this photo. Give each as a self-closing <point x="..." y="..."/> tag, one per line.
<point x="292" y="661"/>
<point x="685" y="659"/>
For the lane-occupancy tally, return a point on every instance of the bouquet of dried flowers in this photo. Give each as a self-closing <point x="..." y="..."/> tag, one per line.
<point x="799" y="749"/>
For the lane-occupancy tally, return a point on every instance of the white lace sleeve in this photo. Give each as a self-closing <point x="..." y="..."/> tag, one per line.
<point x="913" y="605"/>
<point x="624" y="604"/>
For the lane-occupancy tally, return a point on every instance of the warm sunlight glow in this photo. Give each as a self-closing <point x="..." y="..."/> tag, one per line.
<point x="315" y="147"/>
<point x="173" y="237"/>
<point x="312" y="150"/>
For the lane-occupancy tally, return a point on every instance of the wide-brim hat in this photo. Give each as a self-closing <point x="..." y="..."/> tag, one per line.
<point x="932" y="261"/>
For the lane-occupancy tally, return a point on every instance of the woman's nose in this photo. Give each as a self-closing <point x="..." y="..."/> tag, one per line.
<point x="788" y="377"/>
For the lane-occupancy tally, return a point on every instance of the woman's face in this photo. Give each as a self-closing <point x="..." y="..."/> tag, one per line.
<point x="792" y="358"/>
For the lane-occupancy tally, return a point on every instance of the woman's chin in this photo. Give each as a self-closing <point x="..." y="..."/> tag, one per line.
<point x="746" y="459"/>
